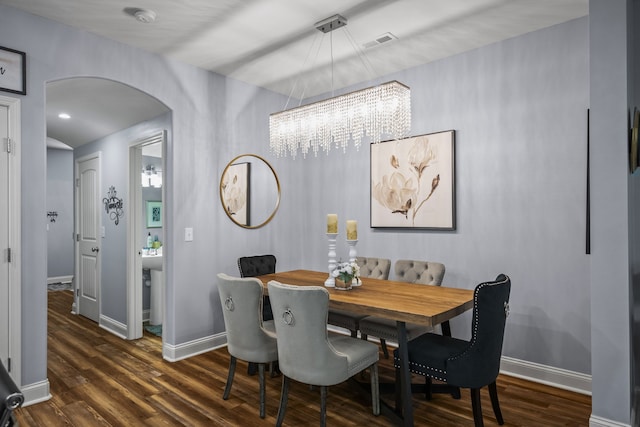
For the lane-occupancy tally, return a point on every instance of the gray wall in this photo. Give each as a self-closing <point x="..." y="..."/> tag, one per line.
<point x="114" y="150"/>
<point x="60" y="199"/>
<point x="634" y="210"/>
<point x="615" y="235"/>
<point x="519" y="109"/>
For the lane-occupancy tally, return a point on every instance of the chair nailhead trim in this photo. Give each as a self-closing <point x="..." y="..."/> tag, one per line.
<point x="474" y="336"/>
<point x="427" y="371"/>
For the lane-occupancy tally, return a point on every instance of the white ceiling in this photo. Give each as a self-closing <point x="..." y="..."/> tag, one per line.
<point x="98" y="107"/>
<point x="266" y="42"/>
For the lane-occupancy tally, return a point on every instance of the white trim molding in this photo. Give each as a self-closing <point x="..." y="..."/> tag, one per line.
<point x="548" y="375"/>
<point x="36" y="393"/>
<point x="118" y="329"/>
<point x="603" y="422"/>
<point x="60" y="279"/>
<point x="173" y="353"/>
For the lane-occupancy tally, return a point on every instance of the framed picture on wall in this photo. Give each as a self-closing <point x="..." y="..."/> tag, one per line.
<point x="154" y="214"/>
<point x="413" y="182"/>
<point x="13" y="71"/>
<point x="234" y="189"/>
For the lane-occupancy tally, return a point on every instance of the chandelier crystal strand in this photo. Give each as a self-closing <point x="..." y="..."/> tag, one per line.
<point x="378" y="112"/>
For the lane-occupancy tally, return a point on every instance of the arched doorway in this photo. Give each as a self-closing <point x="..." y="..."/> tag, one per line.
<point x="103" y="119"/>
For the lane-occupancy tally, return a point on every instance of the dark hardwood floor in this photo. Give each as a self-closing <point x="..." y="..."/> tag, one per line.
<point x="98" y="379"/>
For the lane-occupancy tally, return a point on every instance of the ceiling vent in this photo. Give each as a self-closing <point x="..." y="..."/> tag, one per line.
<point x="384" y="38"/>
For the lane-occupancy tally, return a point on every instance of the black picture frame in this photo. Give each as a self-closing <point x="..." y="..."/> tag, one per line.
<point x="13" y="71"/>
<point x="413" y="182"/>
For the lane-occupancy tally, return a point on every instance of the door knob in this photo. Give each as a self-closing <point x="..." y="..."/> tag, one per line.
<point x="96" y="249"/>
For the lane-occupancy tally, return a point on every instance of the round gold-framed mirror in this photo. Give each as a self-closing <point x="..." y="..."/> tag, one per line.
<point x="249" y="191"/>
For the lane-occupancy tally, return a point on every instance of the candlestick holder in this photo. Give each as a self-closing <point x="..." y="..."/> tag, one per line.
<point x="352" y="258"/>
<point x="331" y="281"/>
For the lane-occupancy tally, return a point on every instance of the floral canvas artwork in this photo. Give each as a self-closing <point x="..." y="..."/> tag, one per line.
<point x="235" y="192"/>
<point x="413" y="182"/>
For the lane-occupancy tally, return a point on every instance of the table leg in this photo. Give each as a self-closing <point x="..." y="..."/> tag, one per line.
<point x="405" y="376"/>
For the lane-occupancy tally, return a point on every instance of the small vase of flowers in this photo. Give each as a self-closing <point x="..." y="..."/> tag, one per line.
<point x="344" y="274"/>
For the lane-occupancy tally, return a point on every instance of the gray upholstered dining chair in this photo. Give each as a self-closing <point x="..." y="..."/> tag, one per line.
<point x="469" y="364"/>
<point x="249" y="338"/>
<point x="306" y="351"/>
<point x="422" y="272"/>
<point x="376" y="268"/>
<point x="252" y="266"/>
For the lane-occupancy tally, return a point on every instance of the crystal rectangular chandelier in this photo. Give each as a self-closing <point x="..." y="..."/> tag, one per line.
<point x="374" y="114"/>
<point x="377" y="113"/>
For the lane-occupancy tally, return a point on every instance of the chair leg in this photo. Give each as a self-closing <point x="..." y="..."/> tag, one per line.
<point x="455" y="393"/>
<point x="427" y="388"/>
<point x="364" y="336"/>
<point x="493" y="393"/>
<point x="354" y="333"/>
<point x="323" y="406"/>
<point x="262" y="391"/>
<point x="283" y="401"/>
<point x="232" y="371"/>
<point x="383" y="343"/>
<point x="252" y="368"/>
<point x="398" y="386"/>
<point x="446" y="328"/>
<point x="375" y="389"/>
<point x="273" y="368"/>
<point x="477" y="407"/>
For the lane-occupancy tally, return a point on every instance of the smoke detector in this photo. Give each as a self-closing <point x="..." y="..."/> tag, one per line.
<point x="146" y="16"/>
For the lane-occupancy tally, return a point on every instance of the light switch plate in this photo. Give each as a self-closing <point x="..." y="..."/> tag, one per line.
<point x="188" y="234"/>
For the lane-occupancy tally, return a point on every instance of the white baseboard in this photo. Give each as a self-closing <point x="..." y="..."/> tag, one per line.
<point x="603" y="422"/>
<point x="117" y="328"/>
<point x="543" y="374"/>
<point x="173" y="353"/>
<point x="555" y="377"/>
<point x="60" y="279"/>
<point x="36" y="393"/>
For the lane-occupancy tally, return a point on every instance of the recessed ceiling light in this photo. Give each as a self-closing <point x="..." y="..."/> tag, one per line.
<point x="146" y="16"/>
<point x="64" y="116"/>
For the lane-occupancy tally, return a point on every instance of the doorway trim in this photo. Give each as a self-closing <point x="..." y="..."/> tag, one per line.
<point x="134" y="231"/>
<point x="15" y="242"/>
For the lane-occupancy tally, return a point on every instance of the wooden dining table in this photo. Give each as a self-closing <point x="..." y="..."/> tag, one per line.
<point x="399" y="301"/>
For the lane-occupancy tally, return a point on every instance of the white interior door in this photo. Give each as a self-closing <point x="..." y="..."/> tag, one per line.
<point x="10" y="229"/>
<point x="4" y="238"/>
<point x="88" y="202"/>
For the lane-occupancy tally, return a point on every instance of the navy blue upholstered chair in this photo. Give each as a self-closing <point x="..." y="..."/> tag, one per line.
<point x="468" y="364"/>
<point x="252" y="266"/>
<point x="11" y="398"/>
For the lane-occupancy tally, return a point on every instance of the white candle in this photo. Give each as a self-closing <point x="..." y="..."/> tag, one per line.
<point x="332" y="223"/>
<point x="352" y="229"/>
